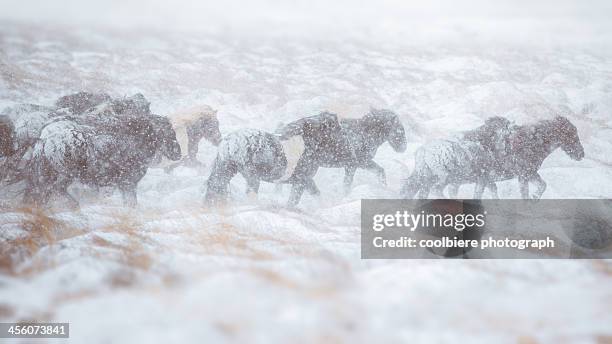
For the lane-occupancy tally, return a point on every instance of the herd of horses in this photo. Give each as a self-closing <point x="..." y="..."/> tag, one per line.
<point x="99" y="141"/>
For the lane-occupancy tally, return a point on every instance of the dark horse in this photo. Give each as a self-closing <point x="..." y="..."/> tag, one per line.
<point x="520" y="155"/>
<point x="349" y="143"/>
<point x="366" y="135"/>
<point x="103" y="149"/>
<point x="530" y="144"/>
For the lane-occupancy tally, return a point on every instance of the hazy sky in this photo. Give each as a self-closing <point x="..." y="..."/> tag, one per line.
<point x="506" y="19"/>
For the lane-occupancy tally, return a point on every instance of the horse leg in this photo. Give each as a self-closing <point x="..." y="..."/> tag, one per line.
<point x="39" y="188"/>
<point x="423" y="192"/>
<point x="297" y="190"/>
<point x="416" y="187"/>
<point x="479" y="188"/>
<point x="278" y="187"/>
<point x="312" y="188"/>
<point x="218" y="181"/>
<point x="453" y="190"/>
<point x="33" y="197"/>
<point x="540" y="185"/>
<point x="190" y="160"/>
<point x="29" y="196"/>
<point x="128" y="193"/>
<point x="378" y="170"/>
<point x="72" y="202"/>
<point x="62" y="189"/>
<point x="410" y="187"/>
<point x="437" y="191"/>
<point x="194" y="136"/>
<point x="305" y="169"/>
<point x="492" y="186"/>
<point x="349" y="174"/>
<point x="524" y="187"/>
<point x="252" y="184"/>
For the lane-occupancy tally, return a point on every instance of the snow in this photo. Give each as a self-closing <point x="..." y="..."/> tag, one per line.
<point x="172" y="270"/>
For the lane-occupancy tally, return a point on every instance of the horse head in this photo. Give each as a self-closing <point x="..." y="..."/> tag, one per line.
<point x="271" y="162"/>
<point x="209" y="125"/>
<point x="567" y="135"/>
<point x="388" y="127"/>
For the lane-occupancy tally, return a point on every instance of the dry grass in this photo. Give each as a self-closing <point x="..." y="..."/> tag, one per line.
<point x="42" y="230"/>
<point x="324" y="289"/>
<point x="132" y="255"/>
<point x="64" y="297"/>
<point x="6" y="311"/>
<point x="525" y="339"/>
<point x="229" y="329"/>
<point x="604" y="339"/>
<point x="603" y="266"/>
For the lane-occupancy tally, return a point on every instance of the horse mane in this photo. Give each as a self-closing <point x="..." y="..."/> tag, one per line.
<point x="549" y="130"/>
<point x="379" y="118"/>
<point x="487" y="131"/>
<point x="558" y="124"/>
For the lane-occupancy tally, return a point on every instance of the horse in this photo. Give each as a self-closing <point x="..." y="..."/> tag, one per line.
<point x="103" y="150"/>
<point x="255" y="154"/>
<point x="366" y="135"/>
<point x="521" y="154"/>
<point x="324" y="141"/>
<point x="347" y="143"/>
<point x="94" y="121"/>
<point x="191" y="127"/>
<point x="530" y="145"/>
<point x="468" y="158"/>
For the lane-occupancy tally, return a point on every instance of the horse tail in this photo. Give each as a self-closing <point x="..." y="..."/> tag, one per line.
<point x="218" y="182"/>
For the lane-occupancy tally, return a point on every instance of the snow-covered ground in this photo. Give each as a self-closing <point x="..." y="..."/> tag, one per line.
<point x="255" y="271"/>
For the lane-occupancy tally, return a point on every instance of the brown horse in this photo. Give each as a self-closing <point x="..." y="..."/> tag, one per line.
<point x="529" y="145"/>
<point x="99" y="150"/>
<point x="347" y="143"/>
<point x="464" y="161"/>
